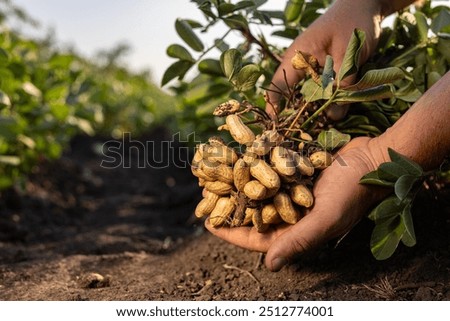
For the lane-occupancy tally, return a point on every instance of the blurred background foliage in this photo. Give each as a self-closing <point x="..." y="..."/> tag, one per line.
<point x="47" y="96"/>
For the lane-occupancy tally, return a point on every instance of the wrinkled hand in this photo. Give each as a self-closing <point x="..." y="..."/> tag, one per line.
<point x="340" y="202"/>
<point x="329" y="35"/>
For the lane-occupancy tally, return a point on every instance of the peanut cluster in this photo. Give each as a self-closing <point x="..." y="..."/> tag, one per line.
<point x="268" y="183"/>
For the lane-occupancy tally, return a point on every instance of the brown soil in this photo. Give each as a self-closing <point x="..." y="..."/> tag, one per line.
<point x="81" y="232"/>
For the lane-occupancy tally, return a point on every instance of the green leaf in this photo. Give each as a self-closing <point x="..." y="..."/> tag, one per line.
<point x="391" y="171"/>
<point x="4" y="57"/>
<point x="377" y="77"/>
<point x="408" y="165"/>
<point x="289" y="33"/>
<point x="221" y="45"/>
<point x="404" y="185"/>
<point x="372" y="178"/>
<point x="292" y="10"/>
<point x="386" y="210"/>
<point x="236" y="21"/>
<point x="244" y="5"/>
<point x="353" y="121"/>
<point x="177" y="69"/>
<point x="350" y="63"/>
<point x="332" y="139"/>
<point x="247" y="77"/>
<point x="178" y="51"/>
<point x="409" y="237"/>
<point x="188" y="35"/>
<point x="370" y="94"/>
<point x="328" y="72"/>
<point x="226" y="8"/>
<point x="385" y="238"/>
<point x="422" y="26"/>
<point x="312" y="91"/>
<point x="441" y="23"/>
<point x="10" y="160"/>
<point x="231" y="62"/>
<point x="210" y="67"/>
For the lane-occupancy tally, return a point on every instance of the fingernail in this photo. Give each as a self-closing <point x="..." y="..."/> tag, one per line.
<point x="278" y="263"/>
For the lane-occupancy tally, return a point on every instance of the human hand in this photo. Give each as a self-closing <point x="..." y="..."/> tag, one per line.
<point x="340" y="202"/>
<point x="329" y="35"/>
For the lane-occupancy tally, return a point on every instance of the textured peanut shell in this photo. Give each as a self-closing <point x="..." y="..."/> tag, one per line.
<point x="258" y="221"/>
<point x="254" y="190"/>
<point x="219" y="188"/>
<point x="241" y="174"/>
<point x="220" y="172"/>
<point x="206" y="205"/>
<point x="221" y="153"/>
<point x="321" y="159"/>
<point x="262" y="171"/>
<point x="221" y="213"/>
<point x="248" y="216"/>
<point x="285" y="208"/>
<point x="239" y="131"/>
<point x="302" y="163"/>
<point x="270" y="215"/>
<point x="282" y="161"/>
<point x="301" y="195"/>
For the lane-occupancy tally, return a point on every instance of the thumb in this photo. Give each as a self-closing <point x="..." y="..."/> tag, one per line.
<point x="304" y="236"/>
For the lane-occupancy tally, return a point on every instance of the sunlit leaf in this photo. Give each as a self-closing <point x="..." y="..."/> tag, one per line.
<point x="377" y="77"/>
<point x="350" y="63"/>
<point x="188" y="35"/>
<point x="373" y="178"/>
<point x="385" y="238"/>
<point x="177" y="69"/>
<point x="391" y="171"/>
<point x="10" y="160"/>
<point x="236" y="21"/>
<point x="178" y="51"/>
<point x="332" y="139"/>
<point x="422" y="26"/>
<point x="409" y="237"/>
<point x="231" y="62"/>
<point x="408" y="165"/>
<point x="293" y="9"/>
<point x="4" y="100"/>
<point x="247" y="77"/>
<point x="370" y="94"/>
<point x="386" y="210"/>
<point x="312" y="91"/>
<point x="210" y="66"/>
<point x="404" y="185"/>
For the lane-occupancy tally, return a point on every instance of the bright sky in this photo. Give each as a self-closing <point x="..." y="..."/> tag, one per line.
<point x="147" y="25"/>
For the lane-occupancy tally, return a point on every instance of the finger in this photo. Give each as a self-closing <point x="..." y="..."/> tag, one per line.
<point x="246" y="237"/>
<point x="304" y="236"/>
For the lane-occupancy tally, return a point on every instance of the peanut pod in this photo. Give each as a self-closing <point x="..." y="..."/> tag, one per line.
<point x="282" y="161"/>
<point x="221" y="153"/>
<point x="270" y="215"/>
<point x="197" y="171"/>
<point x="248" y="216"/>
<point x="254" y="190"/>
<point x="206" y="205"/>
<point x="258" y="221"/>
<point x="285" y="208"/>
<point x="225" y="206"/>
<point x="301" y="195"/>
<point x="262" y="171"/>
<point x="220" y="172"/>
<point x="239" y="131"/>
<point x="321" y="159"/>
<point x="219" y="188"/>
<point x="241" y="174"/>
<point x="302" y="163"/>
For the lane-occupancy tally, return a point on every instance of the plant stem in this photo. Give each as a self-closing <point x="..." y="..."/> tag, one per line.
<point x="214" y="45"/>
<point x="318" y="111"/>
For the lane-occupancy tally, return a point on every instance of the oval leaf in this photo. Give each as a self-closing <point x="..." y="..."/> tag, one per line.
<point x="386" y="210"/>
<point x="247" y="77"/>
<point x="391" y="171"/>
<point x="210" y="67"/>
<point x="177" y="69"/>
<point x="350" y="63"/>
<point x="188" y="35"/>
<point x="404" y="185"/>
<point x="332" y="139"/>
<point x="370" y="94"/>
<point x="377" y="77"/>
<point x="178" y="51"/>
<point x="292" y="10"/>
<point x="385" y="238"/>
<point x="409" y="237"/>
<point x="411" y="167"/>
<point x="372" y="178"/>
<point x="231" y="62"/>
